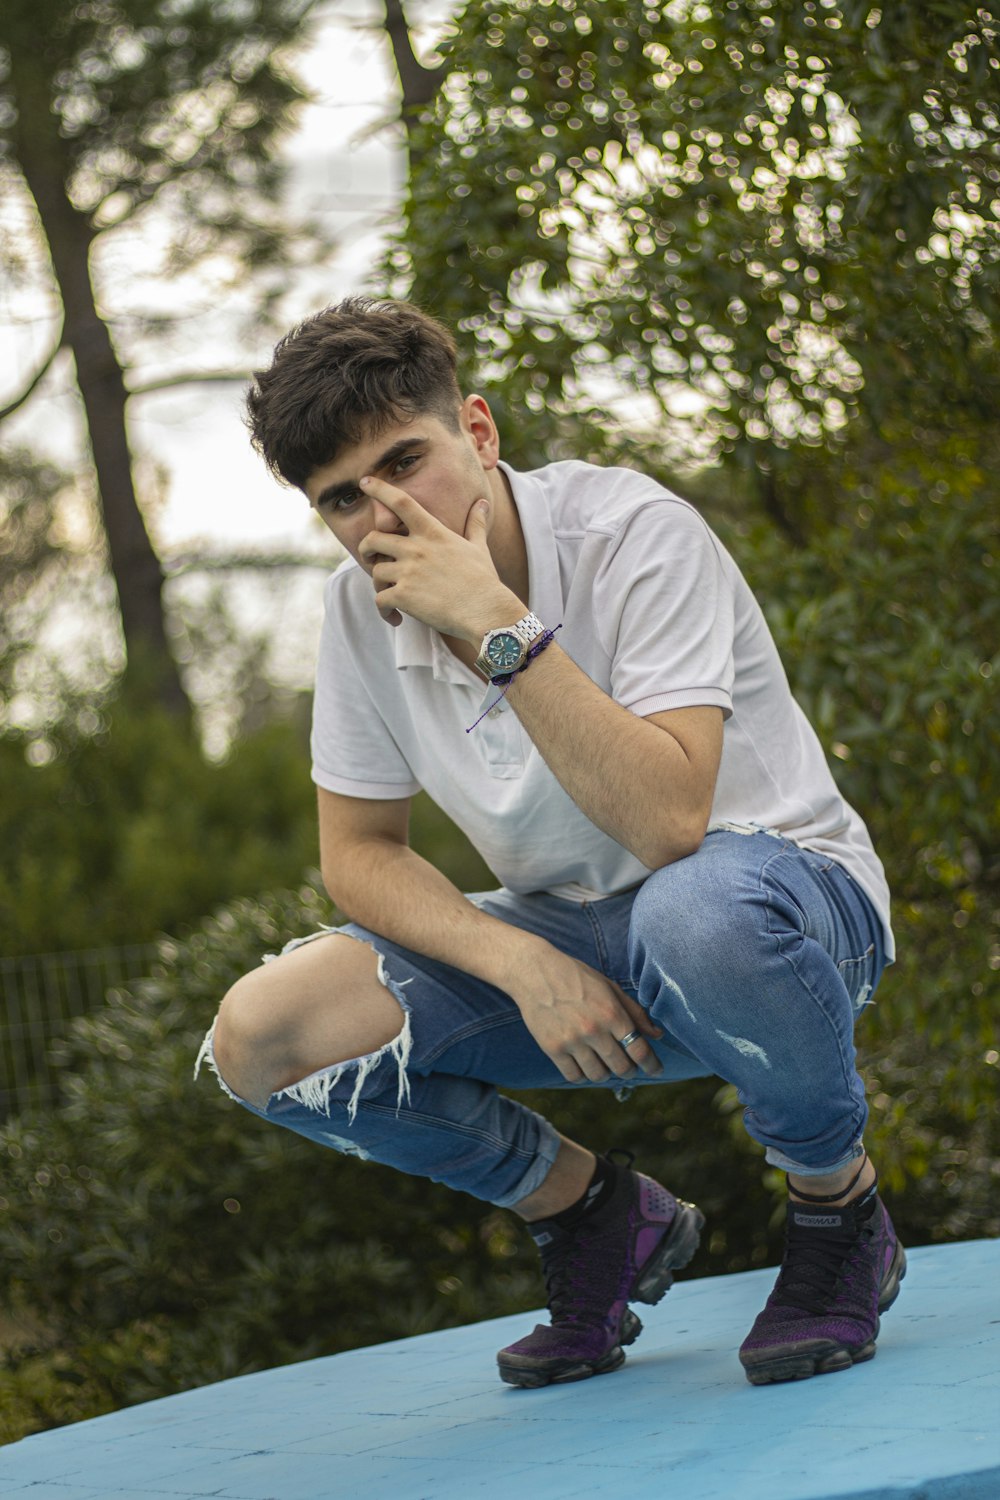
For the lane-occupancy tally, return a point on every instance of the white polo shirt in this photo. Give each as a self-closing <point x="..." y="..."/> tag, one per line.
<point x="656" y="612"/>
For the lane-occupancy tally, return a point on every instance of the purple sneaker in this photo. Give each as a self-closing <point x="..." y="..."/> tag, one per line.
<point x="625" y="1251"/>
<point x="842" y="1267"/>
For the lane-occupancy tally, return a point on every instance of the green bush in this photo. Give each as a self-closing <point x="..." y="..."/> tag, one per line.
<point x="161" y="1237"/>
<point x="889" y="626"/>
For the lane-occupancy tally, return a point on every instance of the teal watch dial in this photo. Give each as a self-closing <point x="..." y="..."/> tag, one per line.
<point x="505" y="651"/>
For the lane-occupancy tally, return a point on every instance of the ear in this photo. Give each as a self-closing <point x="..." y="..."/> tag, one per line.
<point x="477" y="420"/>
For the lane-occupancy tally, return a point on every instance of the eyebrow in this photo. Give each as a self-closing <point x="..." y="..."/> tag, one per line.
<point x="384" y="461"/>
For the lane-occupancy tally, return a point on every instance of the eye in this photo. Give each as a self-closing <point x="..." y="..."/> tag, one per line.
<point x="342" y="502"/>
<point x="406" y="462"/>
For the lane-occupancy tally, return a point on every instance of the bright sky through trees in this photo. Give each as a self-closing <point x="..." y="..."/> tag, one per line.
<point x="215" y="488"/>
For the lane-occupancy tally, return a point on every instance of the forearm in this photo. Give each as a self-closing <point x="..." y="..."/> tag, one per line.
<point x="632" y="778"/>
<point x="576" y="1014"/>
<point x="390" y="889"/>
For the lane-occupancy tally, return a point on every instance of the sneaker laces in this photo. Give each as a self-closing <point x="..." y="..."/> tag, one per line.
<point x="564" y="1261"/>
<point x="560" y="1260"/>
<point x="815" y="1262"/>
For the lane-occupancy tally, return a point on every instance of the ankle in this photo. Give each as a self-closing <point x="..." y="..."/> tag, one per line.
<point x="568" y="1180"/>
<point x="840" y="1188"/>
<point x="599" y="1191"/>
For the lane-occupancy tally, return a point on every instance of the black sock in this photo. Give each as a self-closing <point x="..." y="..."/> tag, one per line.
<point x="602" y="1185"/>
<point x="864" y="1206"/>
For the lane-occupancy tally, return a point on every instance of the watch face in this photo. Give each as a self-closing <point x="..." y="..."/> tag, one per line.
<point x="504" y="651"/>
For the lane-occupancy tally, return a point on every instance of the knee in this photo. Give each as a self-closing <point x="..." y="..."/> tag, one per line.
<point x="683" y="925"/>
<point x="675" y="910"/>
<point x="319" y="1005"/>
<point x="248" y="1035"/>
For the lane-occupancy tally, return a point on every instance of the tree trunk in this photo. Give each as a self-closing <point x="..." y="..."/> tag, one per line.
<point x="775" y="508"/>
<point x="417" y="87"/>
<point x="417" y="83"/>
<point x="135" y="566"/>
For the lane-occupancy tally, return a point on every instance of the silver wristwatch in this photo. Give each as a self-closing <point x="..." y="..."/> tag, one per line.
<point x="505" y="651"/>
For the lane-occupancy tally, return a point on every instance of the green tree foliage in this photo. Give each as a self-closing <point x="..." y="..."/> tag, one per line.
<point x="126" y="832"/>
<point x="31" y="559"/>
<point x="52" y="576"/>
<point x="143" y="114"/>
<point x="889" y="631"/>
<point x="762" y="224"/>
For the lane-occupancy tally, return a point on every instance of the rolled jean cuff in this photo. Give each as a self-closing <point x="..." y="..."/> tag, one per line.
<point x="785" y="1163"/>
<point x="544" y="1160"/>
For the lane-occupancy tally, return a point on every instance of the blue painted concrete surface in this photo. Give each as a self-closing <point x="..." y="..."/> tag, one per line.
<point x="426" y="1418"/>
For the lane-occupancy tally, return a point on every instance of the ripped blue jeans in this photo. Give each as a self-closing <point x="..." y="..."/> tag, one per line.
<point x="755" y="957"/>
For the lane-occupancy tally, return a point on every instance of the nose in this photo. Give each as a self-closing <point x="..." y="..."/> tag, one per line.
<point x="385" y="519"/>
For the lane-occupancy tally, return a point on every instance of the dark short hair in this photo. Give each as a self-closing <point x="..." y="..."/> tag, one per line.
<point x="345" y="374"/>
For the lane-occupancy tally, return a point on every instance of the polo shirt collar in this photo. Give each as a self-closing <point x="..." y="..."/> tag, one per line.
<point x="417" y="645"/>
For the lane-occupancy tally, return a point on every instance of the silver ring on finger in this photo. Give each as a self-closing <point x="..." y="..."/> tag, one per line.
<point x="626" y="1041"/>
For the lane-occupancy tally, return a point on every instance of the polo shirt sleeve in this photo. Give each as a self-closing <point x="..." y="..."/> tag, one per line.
<point x="663" y="599"/>
<point x="353" y="750"/>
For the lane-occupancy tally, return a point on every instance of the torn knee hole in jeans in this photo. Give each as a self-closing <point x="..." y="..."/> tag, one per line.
<point x="315" y="1090"/>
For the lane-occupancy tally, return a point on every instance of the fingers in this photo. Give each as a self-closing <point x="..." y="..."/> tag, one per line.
<point x="589" y="1027"/>
<point x="638" y="1050"/>
<point x="476" y="522"/>
<point x="390" y="616"/>
<point x="603" y="1061"/>
<point x="386" y="545"/>
<point x="641" y="1019"/>
<point x="643" y="1056"/>
<point x="382" y="547"/>
<point x="375" y="550"/>
<point x="412" y="514"/>
<point x="569" y="1069"/>
<point x="587" y="1064"/>
<point x="602" y="1056"/>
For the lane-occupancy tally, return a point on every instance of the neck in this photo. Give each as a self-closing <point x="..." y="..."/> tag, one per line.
<point x="507" y="547"/>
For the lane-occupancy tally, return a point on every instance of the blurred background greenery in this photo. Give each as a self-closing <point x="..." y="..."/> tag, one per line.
<point x="750" y="248"/>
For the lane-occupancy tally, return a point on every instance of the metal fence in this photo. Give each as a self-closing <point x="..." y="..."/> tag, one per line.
<point x="39" y="996"/>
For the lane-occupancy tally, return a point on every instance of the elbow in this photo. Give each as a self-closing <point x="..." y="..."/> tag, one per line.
<point x="337" y="880"/>
<point x="678" y="841"/>
<point x="329" y="884"/>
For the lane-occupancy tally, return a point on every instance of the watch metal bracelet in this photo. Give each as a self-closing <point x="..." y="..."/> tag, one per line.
<point x="525" y="631"/>
<point x="529" y="627"/>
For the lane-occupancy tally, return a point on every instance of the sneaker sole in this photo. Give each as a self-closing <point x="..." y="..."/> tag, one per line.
<point x="822" y="1356"/>
<point x="531" y="1374"/>
<point x="652" y="1283"/>
<point x="675" y="1250"/>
